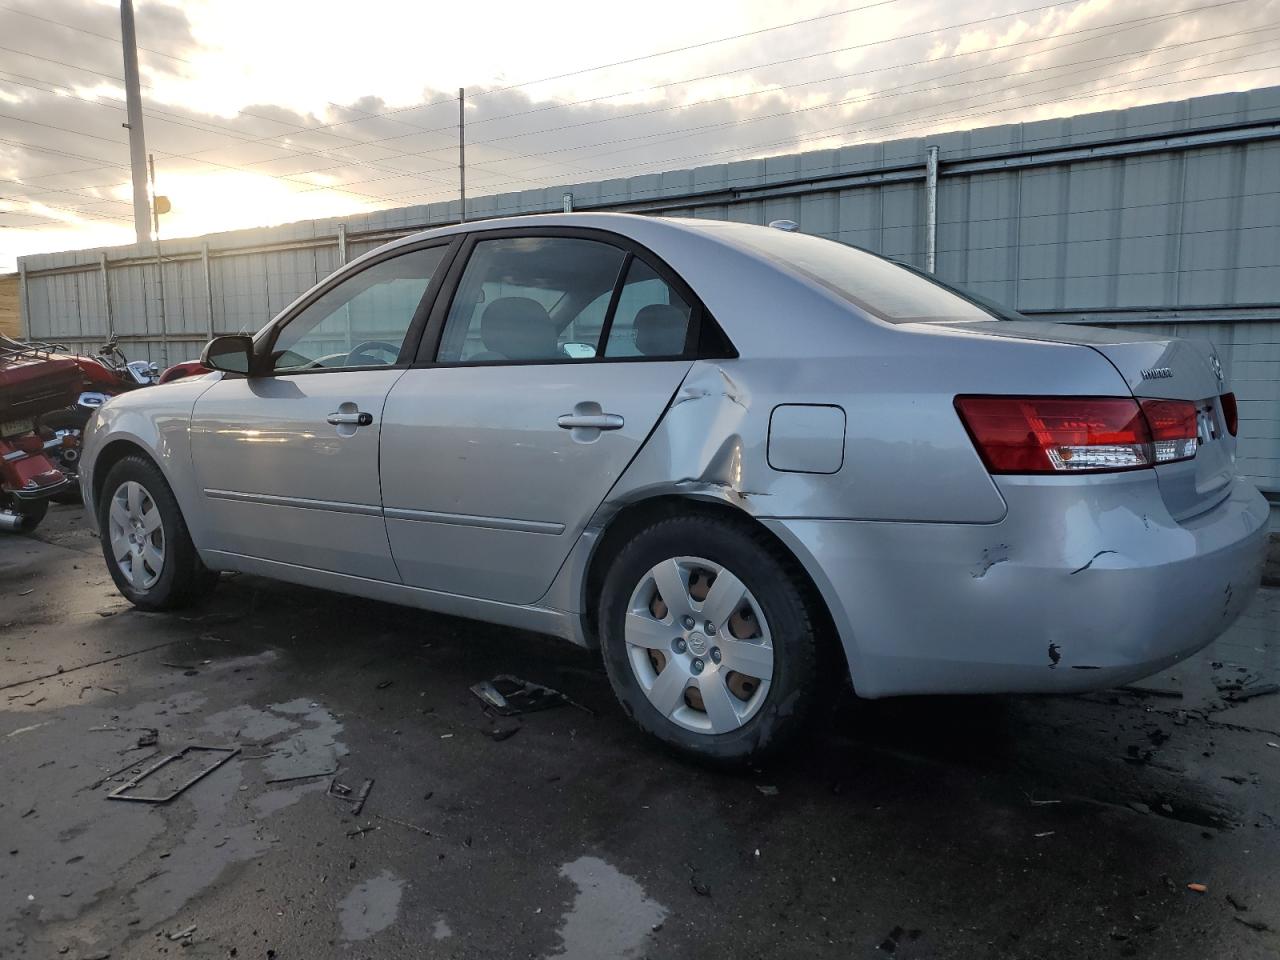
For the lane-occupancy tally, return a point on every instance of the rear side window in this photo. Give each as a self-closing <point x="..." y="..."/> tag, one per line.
<point x="531" y="299"/>
<point x="651" y="319"/>
<point x="881" y="288"/>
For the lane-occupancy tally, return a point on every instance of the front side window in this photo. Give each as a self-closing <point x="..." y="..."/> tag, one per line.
<point x="531" y="299"/>
<point x="363" y="321"/>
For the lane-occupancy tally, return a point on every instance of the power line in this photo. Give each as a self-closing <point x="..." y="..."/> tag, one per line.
<point x="203" y="127"/>
<point x="696" y="131"/>
<point x="1137" y="21"/>
<point x="887" y="40"/>
<point x="230" y="132"/>
<point x="397" y="172"/>
<point x="388" y="113"/>
<point x="411" y="174"/>
<point x="897" y="115"/>
<point x="696" y="79"/>
<point x="666" y="163"/>
<point x="161" y="53"/>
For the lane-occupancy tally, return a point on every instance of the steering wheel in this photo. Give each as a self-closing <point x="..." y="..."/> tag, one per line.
<point x="359" y="356"/>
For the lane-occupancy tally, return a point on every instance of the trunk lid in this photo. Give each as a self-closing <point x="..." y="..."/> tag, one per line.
<point x="1160" y="367"/>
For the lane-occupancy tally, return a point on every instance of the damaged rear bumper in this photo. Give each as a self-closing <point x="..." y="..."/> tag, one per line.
<point x="1080" y="587"/>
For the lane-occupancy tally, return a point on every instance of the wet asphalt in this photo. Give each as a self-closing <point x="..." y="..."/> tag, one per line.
<point x="926" y="827"/>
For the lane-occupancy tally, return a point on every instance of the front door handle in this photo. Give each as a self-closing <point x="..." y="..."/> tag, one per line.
<point x="354" y="419"/>
<point x="591" y="421"/>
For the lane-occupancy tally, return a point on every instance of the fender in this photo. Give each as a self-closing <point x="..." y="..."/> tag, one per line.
<point x="158" y="421"/>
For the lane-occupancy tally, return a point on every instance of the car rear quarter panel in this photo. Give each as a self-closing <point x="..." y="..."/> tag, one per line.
<point x="907" y="456"/>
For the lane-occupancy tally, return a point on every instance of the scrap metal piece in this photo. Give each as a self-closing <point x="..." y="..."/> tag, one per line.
<point x="509" y="696"/>
<point x="120" y="792"/>
<point x="361" y="797"/>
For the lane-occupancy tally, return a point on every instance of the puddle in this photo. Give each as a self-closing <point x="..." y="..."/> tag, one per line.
<point x="442" y="930"/>
<point x="610" y="916"/>
<point x="372" y="907"/>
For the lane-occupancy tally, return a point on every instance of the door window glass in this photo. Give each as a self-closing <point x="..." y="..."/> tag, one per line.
<point x="652" y="320"/>
<point x="363" y="321"/>
<point x="531" y="299"/>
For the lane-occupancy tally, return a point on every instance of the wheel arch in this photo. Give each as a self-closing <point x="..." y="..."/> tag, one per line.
<point x="634" y="516"/>
<point x="112" y="453"/>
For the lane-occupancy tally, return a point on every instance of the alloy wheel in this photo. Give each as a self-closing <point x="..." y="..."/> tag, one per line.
<point x="699" y="645"/>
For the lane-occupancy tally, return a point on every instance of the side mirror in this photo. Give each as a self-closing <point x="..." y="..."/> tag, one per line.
<point x="232" y="354"/>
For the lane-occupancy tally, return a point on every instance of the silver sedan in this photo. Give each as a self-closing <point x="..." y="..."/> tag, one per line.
<point x="744" y="462"/>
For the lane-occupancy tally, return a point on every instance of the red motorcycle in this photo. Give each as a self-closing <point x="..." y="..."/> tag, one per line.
<point x="33" y="382"/>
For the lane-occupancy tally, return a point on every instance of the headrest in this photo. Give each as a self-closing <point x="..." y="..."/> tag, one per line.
<point x="519" y="329"/>
<point x="660" y="330"/>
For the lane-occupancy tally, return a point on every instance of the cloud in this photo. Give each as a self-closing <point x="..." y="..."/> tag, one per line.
<point x="292" y="154"/>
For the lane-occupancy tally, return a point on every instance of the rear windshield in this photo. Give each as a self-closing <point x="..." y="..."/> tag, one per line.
<point x="880" y="287"/>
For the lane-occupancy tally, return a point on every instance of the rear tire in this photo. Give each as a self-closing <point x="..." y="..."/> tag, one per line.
<point x="745" y="655"/>
<point x="145" y="541"/>
<point x="30" y="511"/>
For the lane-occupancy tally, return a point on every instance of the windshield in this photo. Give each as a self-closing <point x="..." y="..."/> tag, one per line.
<point x="880" y="287"/>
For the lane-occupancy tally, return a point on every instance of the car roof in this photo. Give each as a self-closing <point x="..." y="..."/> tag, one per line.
<point x="631" y="225"/>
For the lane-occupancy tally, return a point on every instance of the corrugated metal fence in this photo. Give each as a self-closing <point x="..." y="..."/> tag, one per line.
<point x="1165" y="217"/>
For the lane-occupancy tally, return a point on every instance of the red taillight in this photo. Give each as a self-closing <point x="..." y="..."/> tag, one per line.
<point x="1078" y="434"/>
<point x="1173" y="429"/>
<point x="1230" y="416"/>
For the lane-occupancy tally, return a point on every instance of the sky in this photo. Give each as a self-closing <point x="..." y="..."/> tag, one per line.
<point x="272" y="111"/>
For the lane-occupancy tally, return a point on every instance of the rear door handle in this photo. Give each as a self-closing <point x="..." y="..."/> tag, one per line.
<point x="355" y="419"/>
<point x="596" y="421"/>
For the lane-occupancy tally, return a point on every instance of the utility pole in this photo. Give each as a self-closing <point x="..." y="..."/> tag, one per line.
<point x="462" y="156"/>
<point x="137" y="142"/>
<point x="931" y="210"/>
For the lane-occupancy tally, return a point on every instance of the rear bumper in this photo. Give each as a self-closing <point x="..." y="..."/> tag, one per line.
<point x="1080" y="587"/>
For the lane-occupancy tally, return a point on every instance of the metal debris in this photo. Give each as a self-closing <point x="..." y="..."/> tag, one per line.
<point x="698" y="887"/>
<point x="361" y="797"/>
<point x="1249" y="691"/>
<point x="223" y="755"/>
<point x="410" y="826"/>
<point x="1253" y="924"/>
<point x="128" y="766"/>
<point x="509" y="696"/>
<point x="303" y="776"/>
<point x="340" y="791"/>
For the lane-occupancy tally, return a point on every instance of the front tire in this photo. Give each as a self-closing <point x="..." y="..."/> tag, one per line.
<point x="145" y="542"/>
<point x="708" y="639"/>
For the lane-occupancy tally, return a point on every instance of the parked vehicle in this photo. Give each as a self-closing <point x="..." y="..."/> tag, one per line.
<point x="186" y="368"/>
<point x="723" y="453"/>
<point x="32" y="382"/>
